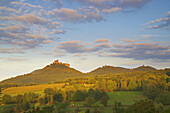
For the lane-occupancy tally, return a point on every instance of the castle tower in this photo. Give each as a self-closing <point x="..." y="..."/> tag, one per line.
<point x="55" y="62"/>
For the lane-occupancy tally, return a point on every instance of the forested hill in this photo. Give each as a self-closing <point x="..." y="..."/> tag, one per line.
<point x="58" y="71"/>
<point x="112" y="69"/>
<point x="108" y="70"/>
<point x="50" y="73"/>
<point x="144" y="68"/>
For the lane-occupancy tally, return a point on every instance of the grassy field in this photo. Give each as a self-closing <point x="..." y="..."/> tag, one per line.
<point x="36" y="89"/>
<point x="13" y="91"/>
<point x="125" y="97"/>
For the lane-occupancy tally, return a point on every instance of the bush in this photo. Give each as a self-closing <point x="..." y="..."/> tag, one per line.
<point x="142" y="106"/>
<point x="118" y="108"/>
<point x="104" y="100"/>
<point x="7" y="99"/>
<point x="25" y="106"/>
<point x="164" y="98"/>
<point x="90" y="101"/>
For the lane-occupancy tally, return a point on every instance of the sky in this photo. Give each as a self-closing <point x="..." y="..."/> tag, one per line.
<point x="84" y="33"/>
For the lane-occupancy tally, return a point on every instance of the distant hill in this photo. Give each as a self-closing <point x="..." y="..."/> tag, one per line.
<point x="58" y="71"/>
<point x="50" y="73"/>
<point x="108" y="70"/>
<point x="144" y="68"/>
<point x="112" y="69"/>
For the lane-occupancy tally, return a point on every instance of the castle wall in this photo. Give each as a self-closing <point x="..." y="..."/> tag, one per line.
<point x="57" y="62"/>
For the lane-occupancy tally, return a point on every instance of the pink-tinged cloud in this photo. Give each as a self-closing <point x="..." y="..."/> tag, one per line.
<point x="102" y="40"/>
<point x="112" y="10"/>
<point x="76" y="16"/>
<point x="128" y="40"/>
<point x="32" y="19"/>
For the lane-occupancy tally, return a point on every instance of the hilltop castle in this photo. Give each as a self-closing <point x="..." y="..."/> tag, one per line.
<point x="57" y="62"/>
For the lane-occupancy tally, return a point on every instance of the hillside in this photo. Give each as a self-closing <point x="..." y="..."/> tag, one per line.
<point x="58" y="71"/>
<point x="144" y="68"/>
<point x="50" y="73"/>
<point x="112" y="69"/>
<point x="108" y="70"/>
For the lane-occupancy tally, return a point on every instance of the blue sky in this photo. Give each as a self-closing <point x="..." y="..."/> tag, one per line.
<point x="85" y="33"/>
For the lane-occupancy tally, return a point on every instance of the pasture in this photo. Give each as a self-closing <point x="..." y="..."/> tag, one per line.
<point x="13" y="91"/>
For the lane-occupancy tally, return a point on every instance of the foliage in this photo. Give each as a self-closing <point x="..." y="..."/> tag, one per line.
<point x="58" y="97"/>
<point x="19" y="98"/>
<point x="46" y="109"/>
<point x="87" y="111"/>
<point x="167" y="110"/>
<point x="91" y="93"/>
<point x="142" y="106"/>
<point x="42" y="101"/>
<point x="79" y="96"/>
<point x="52" y="73"/>
<point x="0" y="90"/>
<point x="8" y="109"/>
<point x="104" y="99"/>
<point x="61" y="107"/>
<point x="164" y="98"/>
<point x="25" y="106"/>
<point x="150" y="91"/>
<point x="7" y="99"/>
<point x="118" y="108"/>
<point x="29" y="97"/>
<point x="90" y="101"/>
<point x="133" y="80"/>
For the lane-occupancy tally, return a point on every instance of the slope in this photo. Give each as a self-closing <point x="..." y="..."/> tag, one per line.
<point x="144" y="68"/>
<point x="108" y="70"/>
<point x="50" y="73"/>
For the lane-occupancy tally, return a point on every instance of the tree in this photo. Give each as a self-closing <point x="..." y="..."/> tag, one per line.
<point x="7" y="99"/>
<point x="110" y="85"/>
<point x="61" y="107"/>
<point x="103" y="84"/>
<point x="98" y="95"/>
<point x="25" y="106"/>
<point x="104" y="99"/>
<point x="87" y="111"/>
<point x="91" y="93"/>
<point x="19" y="98"/>
<point x="29" y="97"/>
<point x="48" y="93"/>
<point x="150" y="91"/>
<point x="164" y="98"/>
<point x="132" y="85"/>
<point x="79" y="96"/>
<point x="118" y="108"/>
<point x="0" y="90"/>
<point x="41" y="100"/>
<point x="58" y="97"/>
<point x="142" y="106"/>
<point x="8" y="109"/>
<point x="90" y="101"/>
